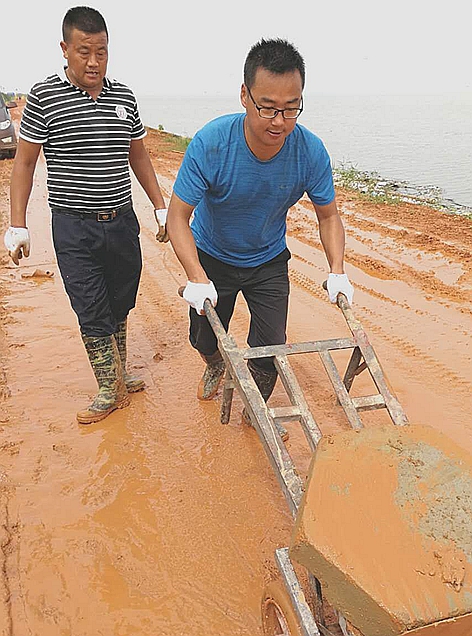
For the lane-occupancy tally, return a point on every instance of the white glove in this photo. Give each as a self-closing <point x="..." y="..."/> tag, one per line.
<point x="196" y="294"/>
<point x="161" y="219"/>
<point x="339" y="284"/>
<point x="17" y="242"/>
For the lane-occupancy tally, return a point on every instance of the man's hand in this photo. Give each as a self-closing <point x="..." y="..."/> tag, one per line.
<point x="339" y="284"/>
<point x="17" y="242"/>
<point x="196" y="294"/>
<point x="161" y="219"/>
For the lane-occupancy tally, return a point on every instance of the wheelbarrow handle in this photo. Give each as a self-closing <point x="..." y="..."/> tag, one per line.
<point x="210" y="313"/>
<point x="341" y="300"/>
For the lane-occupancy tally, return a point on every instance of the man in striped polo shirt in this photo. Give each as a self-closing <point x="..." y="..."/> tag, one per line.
<point x="91" y="132"/>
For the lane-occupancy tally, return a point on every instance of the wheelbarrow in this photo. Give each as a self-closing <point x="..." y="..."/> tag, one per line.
<point x="382" y="540"/>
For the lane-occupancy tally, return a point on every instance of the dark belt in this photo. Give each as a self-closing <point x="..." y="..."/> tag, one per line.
<point x="103" y="215"/>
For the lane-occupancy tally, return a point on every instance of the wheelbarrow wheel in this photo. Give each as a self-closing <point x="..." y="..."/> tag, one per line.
<point x="278" y="616"/>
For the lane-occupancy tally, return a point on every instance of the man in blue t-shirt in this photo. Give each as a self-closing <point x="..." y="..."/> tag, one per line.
<point x="239" y="177"/>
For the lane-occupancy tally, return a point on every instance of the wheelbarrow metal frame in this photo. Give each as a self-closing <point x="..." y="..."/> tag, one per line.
<point x="263" y="419"/>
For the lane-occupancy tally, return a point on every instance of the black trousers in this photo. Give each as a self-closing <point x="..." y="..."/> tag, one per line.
<point x="100" y="265"/>
<point x="265" y="289"/>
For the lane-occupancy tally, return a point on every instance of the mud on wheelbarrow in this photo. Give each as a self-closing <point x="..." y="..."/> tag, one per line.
<point x="314" y="596"/>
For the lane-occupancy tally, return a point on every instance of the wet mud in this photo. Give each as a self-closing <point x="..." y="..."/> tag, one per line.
<point x="160" y="520"/>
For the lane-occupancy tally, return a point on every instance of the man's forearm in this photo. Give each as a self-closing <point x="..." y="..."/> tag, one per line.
<point x="144" y="172"/>
<point x="21" y="183"/>
<point x="148" y="181"/>
<point x="185" y="249"/>
<point x="333" y="240"/>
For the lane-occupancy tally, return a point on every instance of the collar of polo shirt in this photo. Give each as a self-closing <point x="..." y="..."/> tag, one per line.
<point x="63" y="75"/>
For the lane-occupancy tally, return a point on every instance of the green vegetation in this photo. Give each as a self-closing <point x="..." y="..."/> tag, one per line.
<point x="369" y="184"/>
<point x="181" y="143"/>
<point x="379" y="190"/>
<point x="171" y="141"/>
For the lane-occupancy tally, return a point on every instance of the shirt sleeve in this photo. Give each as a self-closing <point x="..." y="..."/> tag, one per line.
<point x="33" y="125"/>
<point x="192" y="179"/>
<point x="321" y="185"/>
<point x="138" y="131"/>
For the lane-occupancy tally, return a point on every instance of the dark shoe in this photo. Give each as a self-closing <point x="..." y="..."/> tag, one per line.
<point x="211" y="379"/>
<point x="133" y="383"/>
<point x="265" y="380"/>
<point x="281" y="430"/>
<point x="106" y="364"/>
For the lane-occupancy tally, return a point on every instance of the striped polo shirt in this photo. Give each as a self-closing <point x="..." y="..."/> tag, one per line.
<point x="86" y="142"/>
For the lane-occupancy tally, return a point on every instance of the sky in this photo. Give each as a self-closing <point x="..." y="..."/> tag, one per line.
<point x="183" y="48"/>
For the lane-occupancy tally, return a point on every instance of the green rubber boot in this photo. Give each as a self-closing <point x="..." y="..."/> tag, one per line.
<point x="133" y="384"/>
<point x="212" y="376"/>
<point x="265" y="381"/>
<point x="106" y="364"/>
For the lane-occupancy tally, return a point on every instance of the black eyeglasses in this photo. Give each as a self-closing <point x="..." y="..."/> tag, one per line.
<point x="271" y="113"/>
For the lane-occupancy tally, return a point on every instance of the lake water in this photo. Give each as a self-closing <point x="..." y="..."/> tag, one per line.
<point x="425" y="140"/>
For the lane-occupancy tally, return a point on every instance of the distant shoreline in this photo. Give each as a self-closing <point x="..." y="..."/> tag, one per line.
<point x="370" y="184"/>
<point x="406" y="139"/>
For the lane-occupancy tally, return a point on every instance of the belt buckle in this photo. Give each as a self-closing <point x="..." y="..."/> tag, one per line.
<point x="106" y="216"/>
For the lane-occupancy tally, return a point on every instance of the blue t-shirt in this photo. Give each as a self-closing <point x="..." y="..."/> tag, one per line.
<point x="241" y="202"/>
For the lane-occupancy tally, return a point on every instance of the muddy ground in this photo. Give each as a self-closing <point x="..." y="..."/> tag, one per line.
<point x="159" y="520"/>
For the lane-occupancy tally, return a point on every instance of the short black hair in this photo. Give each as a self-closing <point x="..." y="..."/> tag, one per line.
<point x="276" y="56"/>
<point x="84" y="19"/>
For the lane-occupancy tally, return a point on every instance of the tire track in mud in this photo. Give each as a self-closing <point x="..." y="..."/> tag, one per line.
<point x="409" y="238"/>
<point x="370" y="291"/>
<point x="6" y="539"/>
<point x="6" y="533"/>
<point x="301" y="226"/>
<point x="370" y="321"/>
<point x="426" y="281"/>
<point x="4" y="389"/>
<point x="396" y="303"/>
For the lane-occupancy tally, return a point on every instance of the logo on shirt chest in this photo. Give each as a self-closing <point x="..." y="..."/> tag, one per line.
<point x="121" y="112"/>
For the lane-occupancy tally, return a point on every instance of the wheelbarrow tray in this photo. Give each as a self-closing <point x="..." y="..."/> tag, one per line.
<point x="385" y="526"/>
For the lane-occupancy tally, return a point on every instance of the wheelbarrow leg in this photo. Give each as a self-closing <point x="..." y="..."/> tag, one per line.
<point x="354" y="368"/>
<point x="227" y="401"/>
